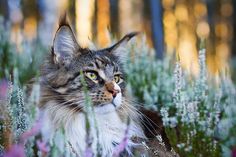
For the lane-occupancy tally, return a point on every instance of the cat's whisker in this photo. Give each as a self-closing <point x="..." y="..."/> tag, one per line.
<point x="59" y="106"/>
<point x="130" y="101"/>
<point x="147" y="118"/>
<point x="136" y="103"/>
<point x="128" y="115"/>
<point x="75" y="94"/>
<point x="143" y="123"/>
<point x="80" y="107"/>
<point x="65" y="102"/>
<point x="71" y="94"/>
<point x="72" y="110"/>
<point x="76" y="109"/>
<point x="62" y="104"/>
<point x="60" y="96"/>
<point x="141" y="120"/>
<point x="72" y="102"/>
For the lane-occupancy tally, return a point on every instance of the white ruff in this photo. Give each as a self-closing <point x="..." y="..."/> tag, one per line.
<point x="109" y="125"/>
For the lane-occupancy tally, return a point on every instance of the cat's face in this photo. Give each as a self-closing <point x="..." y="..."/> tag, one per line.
<point x="101" y="69"/>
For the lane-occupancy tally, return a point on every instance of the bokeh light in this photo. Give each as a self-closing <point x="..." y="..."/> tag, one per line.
<point x="184" y="24"/>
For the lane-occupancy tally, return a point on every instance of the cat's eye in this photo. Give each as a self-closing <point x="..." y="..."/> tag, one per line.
<point x="117" y="79"/>
<point x="92" y="75"/>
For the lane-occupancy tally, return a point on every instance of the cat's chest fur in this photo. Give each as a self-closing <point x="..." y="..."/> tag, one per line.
<point x="110" y="131"/>
<point x="107" y="130"/>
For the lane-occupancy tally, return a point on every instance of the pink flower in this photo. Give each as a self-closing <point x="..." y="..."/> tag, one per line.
<point x="32" y="132"/>
<point x="15" y="151"/>
<point x="88" y="152"/>
<point x="42" y="146"/>
<point x="121" y="147"/>
<point x="3" y="89"/>
<point x="234" y="152"/>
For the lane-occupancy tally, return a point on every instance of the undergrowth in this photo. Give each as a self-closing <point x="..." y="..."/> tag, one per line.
<point x="198" y="112"/>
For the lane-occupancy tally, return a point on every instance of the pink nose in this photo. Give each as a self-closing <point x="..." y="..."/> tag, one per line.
<point x="114" y="93"/>
<point x="111" y="89"/>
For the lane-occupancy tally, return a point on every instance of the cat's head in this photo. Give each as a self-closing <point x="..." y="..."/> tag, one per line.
<point x="102" y="71"/>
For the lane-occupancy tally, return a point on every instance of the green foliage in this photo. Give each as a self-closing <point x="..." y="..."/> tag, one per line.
<point x="191" y="106"/>
<point x="17" y="66"/>
<point x="150" y="79"/>
<point x="198" y="113"/>
<point x="21" y="63"/>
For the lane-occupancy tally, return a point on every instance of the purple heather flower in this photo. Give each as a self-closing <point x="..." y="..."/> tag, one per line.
<point x="42" y="146"/>
<point x="234" y="152"/>
<point x="15" y="151"/>
<point x="32" y="132"/>
<point x="88" y="152"/>
<point x="3" y="89"/>
<point x="121" y="147"/>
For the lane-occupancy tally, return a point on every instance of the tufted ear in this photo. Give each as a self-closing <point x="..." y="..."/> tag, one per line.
<point x="119" y="48"/>
<point x="122" y="42"/>
<point x="64" y="44"/>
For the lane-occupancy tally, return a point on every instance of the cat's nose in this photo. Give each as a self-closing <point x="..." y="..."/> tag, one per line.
<point x="114" y="93"/>
<point x="111" y="89"/>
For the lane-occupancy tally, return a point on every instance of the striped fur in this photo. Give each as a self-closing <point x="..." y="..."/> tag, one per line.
<point x="63" y="100"/>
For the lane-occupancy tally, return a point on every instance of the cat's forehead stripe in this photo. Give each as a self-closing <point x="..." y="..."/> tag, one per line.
<point x="102" y="61"/>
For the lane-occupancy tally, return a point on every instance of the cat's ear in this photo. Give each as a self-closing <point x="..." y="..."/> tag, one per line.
<point x="65" y="45"/>
<point x="119" y="47"/>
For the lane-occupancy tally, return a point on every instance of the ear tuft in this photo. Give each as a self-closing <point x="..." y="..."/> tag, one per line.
<point x="123" y="41"/>
<point x="64" y="44"/>
<point x="63" y="21"/>
<point x="130" y="35"/>
<point x="119" y="49"/>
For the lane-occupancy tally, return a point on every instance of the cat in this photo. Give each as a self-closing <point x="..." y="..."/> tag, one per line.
<point x="73" y="77"/>
<point x="63" y="102"/>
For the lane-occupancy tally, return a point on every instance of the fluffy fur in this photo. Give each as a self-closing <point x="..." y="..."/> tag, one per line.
<point x="63" y="102"/>
<point x="110" y="129"/>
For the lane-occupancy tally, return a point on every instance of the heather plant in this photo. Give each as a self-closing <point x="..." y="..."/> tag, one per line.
<point x="198" y="112"/>
<point x="227" y="126"/>
<point x="18" y="108"/>
<point x="22" y="63"/>
<point x="191" y="106"/>
<point x="150" y="79"/>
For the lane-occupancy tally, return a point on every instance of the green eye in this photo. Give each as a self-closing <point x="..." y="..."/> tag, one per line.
<point x="117" y="79"/>
<point x="92" y="75"/>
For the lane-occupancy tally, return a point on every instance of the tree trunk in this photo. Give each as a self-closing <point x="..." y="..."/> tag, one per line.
<point x="157" y="27"/>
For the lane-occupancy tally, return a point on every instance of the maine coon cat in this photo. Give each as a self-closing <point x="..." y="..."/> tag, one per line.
<point x="63" y="100"/>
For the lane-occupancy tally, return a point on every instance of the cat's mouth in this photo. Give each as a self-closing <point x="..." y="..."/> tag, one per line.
<point x="109" y="106"/>
<point x="112" y="102"/>
<point x="107" y="103"/>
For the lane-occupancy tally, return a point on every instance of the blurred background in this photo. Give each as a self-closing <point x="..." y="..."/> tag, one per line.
<point x="170" y="26"/>
<point x="173" y="30"/>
